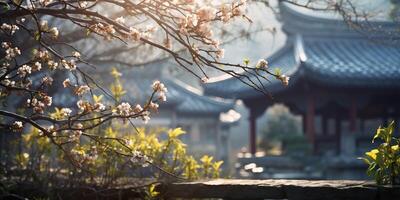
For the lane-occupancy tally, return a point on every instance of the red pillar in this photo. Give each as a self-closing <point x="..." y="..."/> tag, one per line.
<point x="338" y="130"/>
<point x="324" y="125"/>
<point x="304" y="123"/>
<point x="310" y="115"/>
<point x="353" y="116"/>
<point x="362" y="126"/>
<point x="253" y="133"/>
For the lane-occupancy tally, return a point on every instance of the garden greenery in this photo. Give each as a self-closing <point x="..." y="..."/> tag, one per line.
<point x="107" y="155"/>
<point x="384" y="161"/>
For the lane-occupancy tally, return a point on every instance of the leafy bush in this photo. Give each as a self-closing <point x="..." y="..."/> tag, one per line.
<point x="110" y="154"/>
<point x="284" y="128"/>
<point x="103" y="164"/>
<point x="384" y="161"/>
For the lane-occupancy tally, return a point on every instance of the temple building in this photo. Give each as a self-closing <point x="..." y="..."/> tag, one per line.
<point x="343" y="82"/>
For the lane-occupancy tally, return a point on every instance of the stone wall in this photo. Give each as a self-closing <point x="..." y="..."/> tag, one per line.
<point x="281" y="189"/>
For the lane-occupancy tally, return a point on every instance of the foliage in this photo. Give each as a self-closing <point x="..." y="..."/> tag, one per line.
<point x="101" y="164"/>
<point x="384" y="161"/>
<point x="107" y="154"/>
<point x="284" y="128"/>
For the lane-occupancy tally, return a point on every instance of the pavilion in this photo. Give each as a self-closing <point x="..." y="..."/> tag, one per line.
<point x="340" y="80"/>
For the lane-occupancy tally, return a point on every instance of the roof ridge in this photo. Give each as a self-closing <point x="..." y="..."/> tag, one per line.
<point x="295" y="21"/>
<point x="196" y="92"/>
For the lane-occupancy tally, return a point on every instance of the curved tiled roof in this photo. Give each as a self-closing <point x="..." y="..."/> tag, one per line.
<point x="353" y="63"/>
<point x="195" y="103"/>
<point x="338" y="59"/>
<point x="233" y="88"/>
<point x="182" y="97"/>
<point x="304" y="21"/>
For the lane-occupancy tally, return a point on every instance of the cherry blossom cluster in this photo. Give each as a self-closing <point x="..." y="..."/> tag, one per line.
<point x="81" y="156"/>
<point x="160" y="89"/>
<point x="139" y="158"/>
<point x="11" y="29"/>
<point x="263" y="64"/>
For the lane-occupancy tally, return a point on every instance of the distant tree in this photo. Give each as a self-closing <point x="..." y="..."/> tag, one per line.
<point x="284" y="128"/>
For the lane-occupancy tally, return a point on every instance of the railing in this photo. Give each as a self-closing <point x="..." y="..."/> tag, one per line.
<point x="280" y="189"/>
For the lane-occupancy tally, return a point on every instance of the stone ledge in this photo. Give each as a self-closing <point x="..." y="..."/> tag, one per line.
<point x="281" y="189"/>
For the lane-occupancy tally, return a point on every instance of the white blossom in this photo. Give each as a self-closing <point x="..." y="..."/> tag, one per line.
<point x="146" y="116"/>
<point x="206" y="13"/>
<point x="47" y="80"/>
<point x="12" y="53"/>
<point x="204" y="80"/>
<point x="220" y="53"/>
<point x="70" y="65"/>
<point x="124" y="109"/>
<point x="139" y="159"/>
<point x="66" y="83"/>
<point x="76" y="54"/>
<point x="54" y="32"/>
<point x="11" y="28"/>
<point x="153" y="106"/>
<point x="134" y="34"/>
<point x="83" y="4"/>
<point x="99" y="107"/>
<point x="48" y="100"/>
<point x="5" y="45"/>
<point x="37" y="66"/>
<point x="138" y="108"/>
<point x="52" y="65"/>
<point x="77" y="133"/>
<point x="82" y="90"/>
<point x="18" y="125"/>
<point x="45" y="2"/>
<point x="66" y="112"/>
<point x="120" y="20"/>
<point x="92" y="154"/>
<point x="285" y="80"/>
<point x="160" y="89"/>
<point x="262" y="64"/>
<point x="81" y="104"/>
<point x="24" y="70"/>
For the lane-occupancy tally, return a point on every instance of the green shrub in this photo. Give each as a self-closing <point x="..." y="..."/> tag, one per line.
<point x="384" y="161"/>
<point x="284" y="128"/>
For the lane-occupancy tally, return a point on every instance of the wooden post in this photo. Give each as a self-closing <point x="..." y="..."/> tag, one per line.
<point x="362" y="125"/>
<point x="310" y="128"/>
<point x="218" y="142"/>
<point x="256" y="108"/>
<point x="338" y="130"/>
<point x="324" y="125"/>
<point x="253" y="132"/>
<point x="304" y="123"/>
<point x="353" y="116"/>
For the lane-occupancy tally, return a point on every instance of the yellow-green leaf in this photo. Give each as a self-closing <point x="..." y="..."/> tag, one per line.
<point x="175" y="132"/>
<point x="372" y="153"/>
